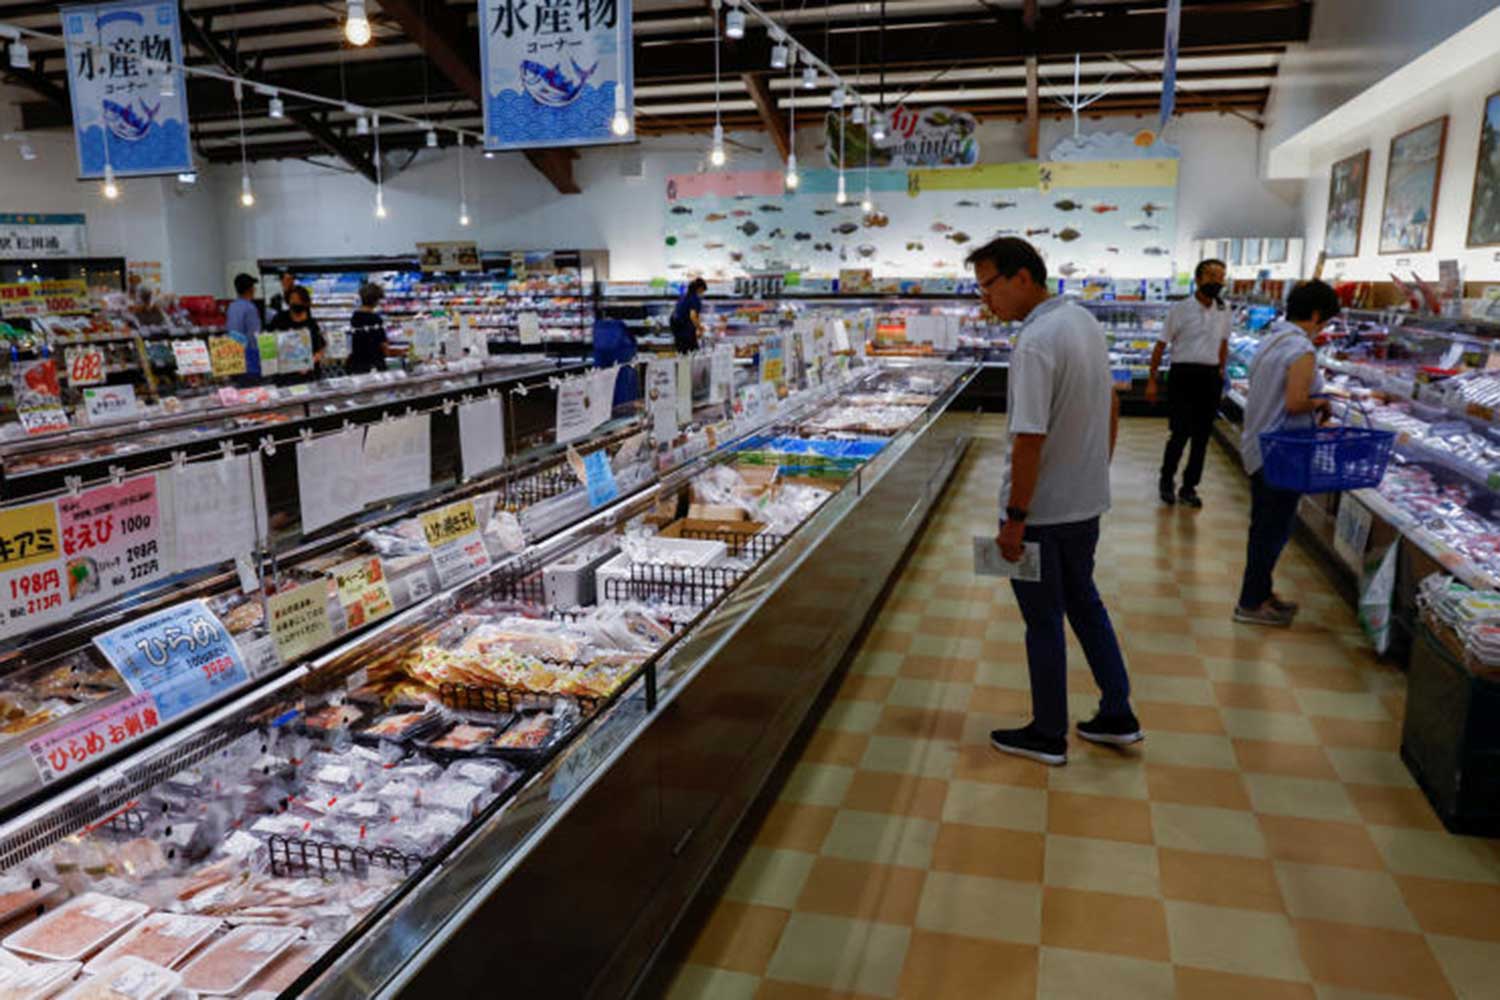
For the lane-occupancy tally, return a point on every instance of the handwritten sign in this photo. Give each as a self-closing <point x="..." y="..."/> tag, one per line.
<point x="299" y="620"/>
<point x="661" y="399"/>
<point x="31" y="568"/>
<point x="38" y="397"/>
<point x="182" y="656"/>
<point x="364" y="592"/>
<point x="109" y="402"/>
<point x="575" y="410"/>
<point x="85" y="366"/>
<point x="448" y="524"/>
<point x="96" y="735"/>
<point x="226" y="356"/>
<point x="192" y="357"/>
<point x="112" y="540"/>
<point x="458" y="550"/>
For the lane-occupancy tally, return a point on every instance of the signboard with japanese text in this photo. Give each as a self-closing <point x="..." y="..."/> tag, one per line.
<point x="112" y="540"/>
<point x="109" y="402"/>
<point x="552" y="70"/>
<point x="117" y="55"/>
<point x="182" y="656"/>
<point x="458" y="550"/>
<point x="31" y="568"/>
<point x="226" y="356"/>
<point x="85" y="366"/>
<point x="29" y="236"/>
<point x="364" y="592"/>
<point x="96" y="735"/>
<point x="45" y="298"/>
<point x="299" y="620"/>
<point x="661" y="399"/>
<point x="191" y="356"/>
<point x="449" y="256"/>
<point x="38" y="397"/>
<point x="916" y="138"/>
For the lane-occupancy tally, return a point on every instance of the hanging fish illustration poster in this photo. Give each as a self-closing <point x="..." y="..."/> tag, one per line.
<point x="556" y="72"/>
<point x="129" y="102"/>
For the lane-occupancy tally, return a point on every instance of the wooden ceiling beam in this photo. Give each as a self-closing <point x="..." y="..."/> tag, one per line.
<point x="770" y="117"/>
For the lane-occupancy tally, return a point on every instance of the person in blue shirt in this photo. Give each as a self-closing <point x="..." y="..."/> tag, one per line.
<point x="687" y="322"/>
<point x="613" y="345"/>
<point x="242" y="322"/>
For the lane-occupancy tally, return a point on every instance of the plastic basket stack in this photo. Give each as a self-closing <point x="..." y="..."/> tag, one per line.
<point x="1465" y="620"/>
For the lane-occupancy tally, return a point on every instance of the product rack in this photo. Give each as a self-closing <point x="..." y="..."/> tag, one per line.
<point x="297" y="856"/>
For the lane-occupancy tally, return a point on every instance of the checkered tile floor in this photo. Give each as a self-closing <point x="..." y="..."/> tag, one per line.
<point x="1266" y="840"/>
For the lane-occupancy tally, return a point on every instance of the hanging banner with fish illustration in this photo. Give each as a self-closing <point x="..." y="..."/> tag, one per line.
<point x="1169" y="62"/>
<point x="915" y="139"/>
<point x="555" y="71"/>
<point x="119" y="57"/>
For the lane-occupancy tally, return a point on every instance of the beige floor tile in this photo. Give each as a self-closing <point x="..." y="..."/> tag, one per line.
<point x="1245" y="942"/>
<point x="1069" y="975"/>
<point x="929" y="694"/>
<point x="984" y="804"/>
<point x="881" y="838"/>
<point x="1182" y="690"/>
<point x="852" y="716"/>
<point x="1473" y="967"/>
<point x="700" y="982"/>
<point x="972" y="906"/>
<point x="873" y="663"/>
<point x="943" y="966"/>
<point x="924" y="758"/>
<point x="1189" y="749"/>
<point x="841" y="954"/>
<point x="1344" y="895"/>
<point x="1338" y="705"/>
<point x="1104" y="922"/>
<point x="1245" y="671"/>
<point x="1307" y="798"/>
<point x="1436" y="854"/>
<point x="1006" y="675"/>
<point x="1092" y="771"/>
<point x="1102" y="866"/>
<point x="1200" y="828"/>
<point x="1206" y="984"/>
<point x="945" y="645"/>
<point x="817" y="784"/>
<point x="770" y="877"/>
<point x="1370" y="767"/>
<point x="1274" y="727"/>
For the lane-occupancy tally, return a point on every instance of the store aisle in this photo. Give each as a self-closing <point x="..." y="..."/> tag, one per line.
<point x="1265" y="841"/>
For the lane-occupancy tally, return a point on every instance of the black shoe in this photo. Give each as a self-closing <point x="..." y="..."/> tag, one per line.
<point x="1116" y="730"/>
<point x="1029" y="743"/>
<point x="1190" y="498"/>
<point x="1168" y="495"/>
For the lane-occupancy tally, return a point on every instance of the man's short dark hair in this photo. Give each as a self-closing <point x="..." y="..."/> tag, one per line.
<point x="244" y="283"/>
<point x="1205" y="264"/>
<point x="300" y="293"/>
<point x="286" y="272"/>
<point x="370" y="294"/>
<point x="1313" y="297"/>
<point x="1010" y="255"/>
<point x="698" y="285"/>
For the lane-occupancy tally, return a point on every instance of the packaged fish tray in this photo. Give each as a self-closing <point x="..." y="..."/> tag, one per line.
<point x="19" y="981"/>
<point x="127" y="978"/>
<point x="78" y="928"/>
<point x="19" y="894"/>
<point x="162" y="938"/>
<point x="533" y="736"/>
<point x="227" y="966"/>
<point x="462" y="739"/>
<point x="400" y="726"/>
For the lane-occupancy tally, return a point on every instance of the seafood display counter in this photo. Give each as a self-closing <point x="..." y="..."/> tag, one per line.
<point x="519" y="778"/>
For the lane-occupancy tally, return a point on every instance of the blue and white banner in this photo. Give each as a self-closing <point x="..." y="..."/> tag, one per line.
<point x="552" y="69"/>
<point x="1169" y="62"/>
<point x="118" y="54"/>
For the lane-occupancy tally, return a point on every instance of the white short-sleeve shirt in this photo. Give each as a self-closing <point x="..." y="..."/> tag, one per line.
<point x="1061" y="386"/>
<point x="1194" y="332"/>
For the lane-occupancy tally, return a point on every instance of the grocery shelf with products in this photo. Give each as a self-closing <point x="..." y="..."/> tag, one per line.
<point x="517" y="301"/>
<point x="1426" y="379"/>
<point x="349" y="808"/>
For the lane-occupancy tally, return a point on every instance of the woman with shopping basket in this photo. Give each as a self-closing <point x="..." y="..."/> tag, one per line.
<point x="1287" y="453"/>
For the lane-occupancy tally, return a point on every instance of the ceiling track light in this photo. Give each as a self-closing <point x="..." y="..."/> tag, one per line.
<point x="836" y="98"/>
<point x="247" y="194"/>
<point x="877" y="126"/>
<point x="620" y="123"/>
<point x="20" y="56"/>
<point x="362" y="125"/>
<point x="734" y="22"/>
<point x="809" y="78"/>
<point x="779" y="55"/>
<point x="431" y="140"/>
<point x="111" y="189"/>
<point x="716" y="151"/>
<point x="357" y="24"/>
<point x="275" y="108"/>
<point x="792" y="177"/>
<point x="857" y="116"/>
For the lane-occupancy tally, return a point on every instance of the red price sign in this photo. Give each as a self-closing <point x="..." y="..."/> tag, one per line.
<point x="93" y="736"/>
<point x="85" y="366"/>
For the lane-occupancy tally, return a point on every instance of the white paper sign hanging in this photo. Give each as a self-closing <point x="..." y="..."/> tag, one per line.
<point x="721" y="374"/>
<point x="530" y="328"/>
<point x="109" y="402"/>
<point x="330" y="478"/>
<point x="602" y="394"/>
<point x="661" y="399"/>
<point x="216" y="507"/>
<point x="481" y="436"/>
<point x="684" y="391"/>
<point x="574" y="410"/>
<point x="397" y="458"/>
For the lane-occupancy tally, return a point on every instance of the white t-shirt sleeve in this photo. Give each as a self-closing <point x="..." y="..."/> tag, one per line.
<point x="1030" y="391"/>
<point x="1169" y="327"/>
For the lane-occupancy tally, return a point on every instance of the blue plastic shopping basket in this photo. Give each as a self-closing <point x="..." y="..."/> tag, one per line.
<point x="1325" y="459"/>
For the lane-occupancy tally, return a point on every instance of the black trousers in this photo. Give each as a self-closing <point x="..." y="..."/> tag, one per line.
<point x="1193" y="393"/>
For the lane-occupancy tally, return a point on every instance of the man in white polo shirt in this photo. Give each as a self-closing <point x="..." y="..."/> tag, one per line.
<point x="1064" y="416"/>
<point x="1197" y="332"/>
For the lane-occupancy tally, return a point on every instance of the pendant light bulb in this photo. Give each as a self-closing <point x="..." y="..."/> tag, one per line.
<point x="836" y="98"/>
<point x="356" y="24"/>
<point x="276" y="108"/>
<point x="20" y="56"/>
<point x="620" y="123"/>
<point x="734" y="22"/>
<point x="247" y="195"/>
<point x="362" y="125"/>
<point x="778" y="55"/>
<point x="380" y="203"/>
<point x="489" y="154"/>
<point x="809" y="78"/>
<point x="431" y="139"/>
<point x="842" y="197"/>
<point x="792" y="177"/>
<point x="463" y="214"/>
<point x="111" y="189"/>
<point x="716" y="151"/>
<point x="857" y="116"/>
<point x="877" y="127"/>
<point x="189" y="177"/>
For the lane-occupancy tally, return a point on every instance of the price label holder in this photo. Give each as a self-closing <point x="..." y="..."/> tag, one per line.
<point x="299" y="620"/>
<point x="599" y="478"/>
<point x="364" y="592"/>
<point x="458" y="550"/>
<point x="92" y="736"/>
<point x="181" y="656"/>
<point x="85" y="366"/>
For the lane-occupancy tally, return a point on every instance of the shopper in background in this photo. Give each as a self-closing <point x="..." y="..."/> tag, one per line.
<point x="147" y="313"/>
<point x="1284" y="384"/>
<point x="367" y="337"/>
<point x="298" y="316"/>
<point x="687" y="317"/>
<point x="1064" y="417"/>
<point x="1197" y="332"/>
<point x="243" y="323"/>
<point x="279" y="301"/>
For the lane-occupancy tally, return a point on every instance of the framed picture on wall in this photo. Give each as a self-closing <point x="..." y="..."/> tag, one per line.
<point x="1252" y="251"/>
<point x="1346" y="205"/>
<point x="1411" y="188"/>
<point x="1484" y="209"/>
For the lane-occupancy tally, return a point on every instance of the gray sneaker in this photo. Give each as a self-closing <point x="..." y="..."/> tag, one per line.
<point x="1265" y="615"/>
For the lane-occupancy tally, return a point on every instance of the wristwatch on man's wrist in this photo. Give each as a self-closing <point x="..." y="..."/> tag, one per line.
<point x="1016" y="514"/>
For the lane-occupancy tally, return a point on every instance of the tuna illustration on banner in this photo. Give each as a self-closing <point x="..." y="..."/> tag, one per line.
<point x="555" y="71"/>
<point x="917" y="138"/>
<point x="118" y="54"/>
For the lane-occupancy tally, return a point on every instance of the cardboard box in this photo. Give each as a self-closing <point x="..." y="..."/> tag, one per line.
<point x="717" y="512"/>
<point x="731" y="533"/>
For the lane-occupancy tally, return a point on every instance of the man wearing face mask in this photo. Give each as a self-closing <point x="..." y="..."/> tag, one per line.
<point x="1197" y="332"/>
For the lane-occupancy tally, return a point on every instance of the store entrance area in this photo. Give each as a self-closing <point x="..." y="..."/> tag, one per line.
<point x="1264" y="841"/>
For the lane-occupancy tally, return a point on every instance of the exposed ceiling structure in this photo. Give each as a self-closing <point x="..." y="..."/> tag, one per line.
<point x="974" y="55"/>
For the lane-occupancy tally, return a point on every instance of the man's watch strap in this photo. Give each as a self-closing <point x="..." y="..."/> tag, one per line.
<point x="1015" y="514"/>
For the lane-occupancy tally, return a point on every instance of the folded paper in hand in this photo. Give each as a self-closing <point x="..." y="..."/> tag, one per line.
<point x="989" y="562"/>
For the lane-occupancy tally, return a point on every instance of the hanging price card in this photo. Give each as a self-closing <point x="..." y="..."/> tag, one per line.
<point x="85" y="366"/>
<point x="111" y="539"/>
<point x="364" y="591"/>
<point x="109" y="402"/>
<point x="182" y="656"/>
<point x="191" y="357"/>
<point x="226" y="356"/>
<point x="458" y="550"/>
<point x="299" y="620"/>
<point x="599" y="478"/>
<point x="93" y="736"/>
<point x="31" y="568"/>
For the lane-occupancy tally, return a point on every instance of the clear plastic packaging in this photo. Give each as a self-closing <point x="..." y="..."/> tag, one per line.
<point x="19" y="981"/>
<point x="127" y="978"/>
<point x="78" y="928"/>
<point x="162" y="938"/>
<point x="228" y="965"/>
<point x="19" y="894"/>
